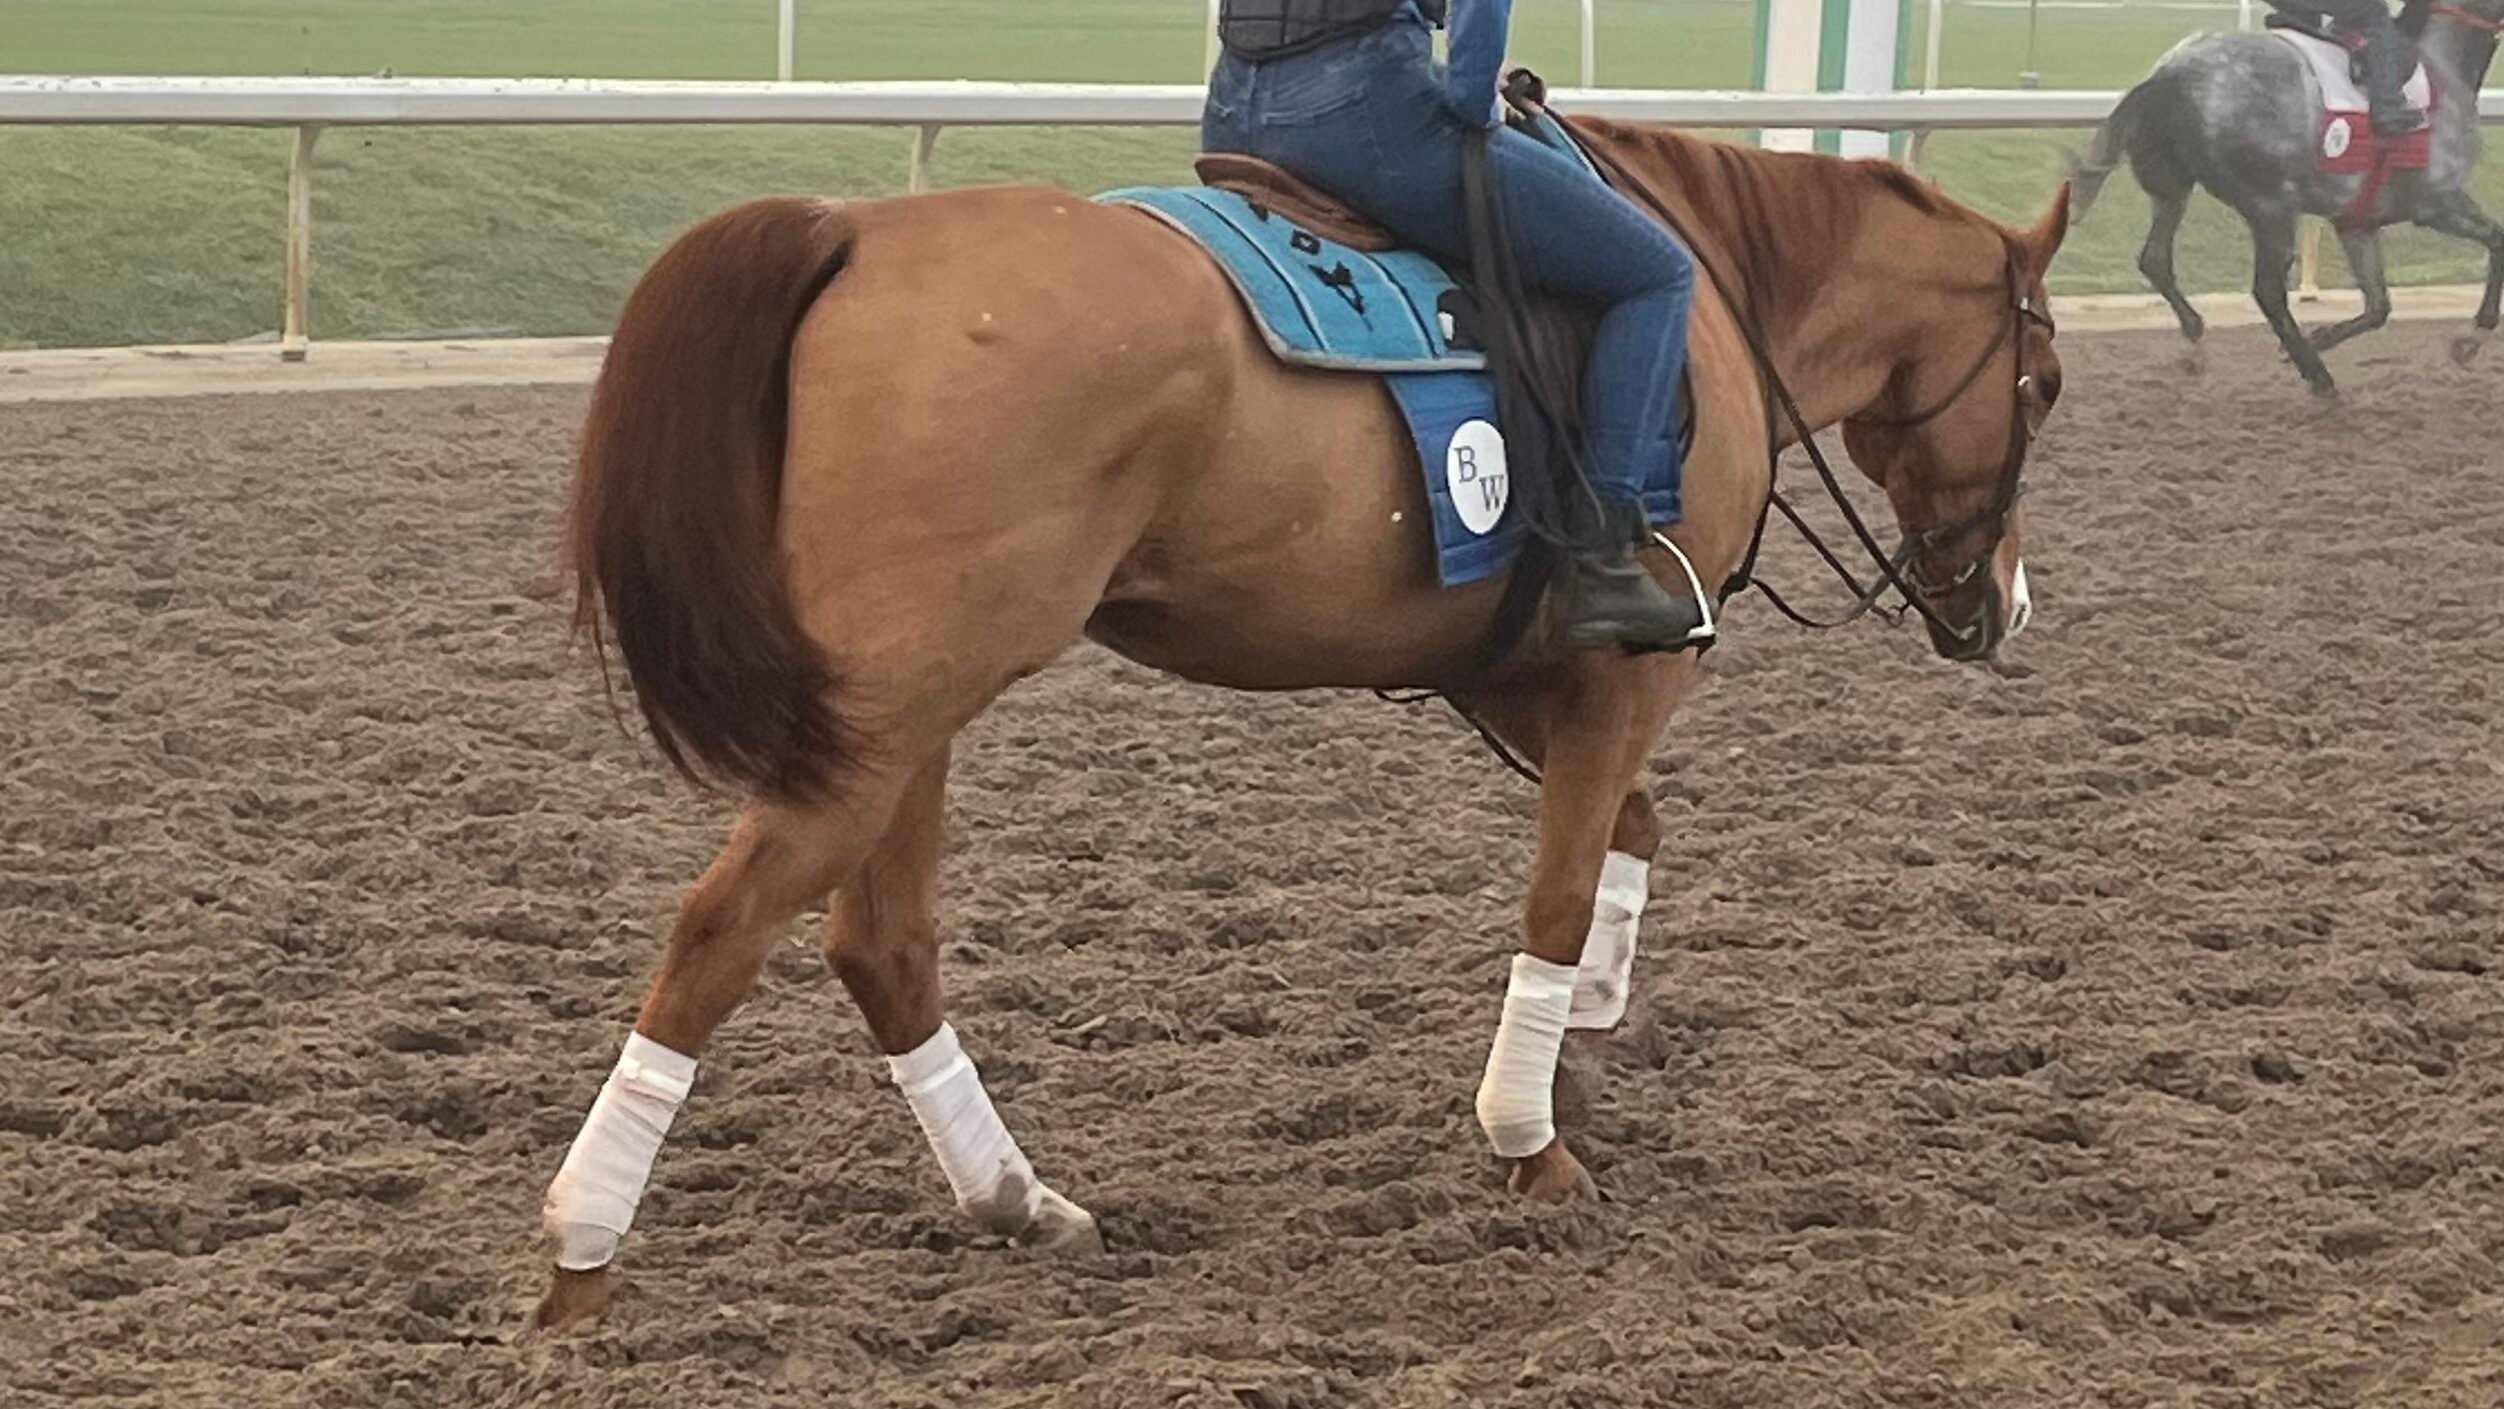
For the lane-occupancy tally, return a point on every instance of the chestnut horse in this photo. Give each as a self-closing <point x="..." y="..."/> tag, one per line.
<point x="852" y="469"/>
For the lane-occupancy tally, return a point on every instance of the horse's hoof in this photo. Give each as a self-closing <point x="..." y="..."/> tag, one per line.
<point x="573" y="1299"/>
<point x="1062" y="1228"/>
<point x="2324" y="389"/>
<point x="1553" y="1176"/>
<point x="2465" y="348"/>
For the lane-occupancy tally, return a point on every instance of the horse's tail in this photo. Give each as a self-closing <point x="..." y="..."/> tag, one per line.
<point x="671" y="531"/>
<point x="2106" y="153"/>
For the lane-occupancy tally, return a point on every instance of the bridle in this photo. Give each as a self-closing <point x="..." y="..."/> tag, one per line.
<point x="2011" y="484"/>
<point x="1895" y="570"/>
<point x="2458" y="15"/>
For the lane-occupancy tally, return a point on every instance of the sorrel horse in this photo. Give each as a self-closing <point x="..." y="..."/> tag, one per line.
<point x="851" y="470"/>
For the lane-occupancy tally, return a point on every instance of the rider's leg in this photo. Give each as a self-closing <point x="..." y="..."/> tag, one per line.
<point x="1366" y="122"/>
<point x="1575" y="237"/>
<point x="2384" y="80"/>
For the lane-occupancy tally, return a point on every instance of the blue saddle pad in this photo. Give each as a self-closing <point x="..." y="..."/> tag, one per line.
<point x="1398" y="315"/>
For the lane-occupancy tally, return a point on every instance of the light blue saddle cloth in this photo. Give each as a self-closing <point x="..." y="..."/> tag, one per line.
<point x="1397" y="315"/>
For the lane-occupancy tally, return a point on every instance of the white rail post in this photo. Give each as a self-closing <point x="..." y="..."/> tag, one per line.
<point x="1930" y="44"/>
<point x="1211" y="55"/>
<point x="2308" y="265"/>
<point x="2243" y="14"/>
<point x="782" y="42"/>
<point x="925" y="141"/>
<point x="1590" y="47"/>
<point x="293" y="343"/>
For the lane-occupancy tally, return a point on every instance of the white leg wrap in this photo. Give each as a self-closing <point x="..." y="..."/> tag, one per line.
<point x="991" y="1176"/>
<point x="592" y="1201"/>
<point x="1516" y="1099"/>
<point x="1607" y="974"/>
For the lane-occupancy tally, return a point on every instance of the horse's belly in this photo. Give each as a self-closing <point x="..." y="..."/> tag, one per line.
<point x="1300" y="554"/>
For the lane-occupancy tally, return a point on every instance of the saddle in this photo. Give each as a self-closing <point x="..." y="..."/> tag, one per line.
<point x="1276" y="188"/>
<point x="2313" y="25"/>
<point x="1560" y="334"/>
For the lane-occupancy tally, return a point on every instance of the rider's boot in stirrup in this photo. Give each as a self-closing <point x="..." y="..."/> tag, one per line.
<point x="1611" y="600"/>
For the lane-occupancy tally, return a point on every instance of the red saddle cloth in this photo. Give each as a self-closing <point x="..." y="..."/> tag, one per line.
<point x="2345" y="142"/>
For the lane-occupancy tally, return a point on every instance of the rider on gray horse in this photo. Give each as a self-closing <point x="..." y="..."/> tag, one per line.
<point x="2370" y="21"/>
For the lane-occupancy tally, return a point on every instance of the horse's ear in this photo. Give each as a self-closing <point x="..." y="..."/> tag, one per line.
<point x="2044" y="240"/>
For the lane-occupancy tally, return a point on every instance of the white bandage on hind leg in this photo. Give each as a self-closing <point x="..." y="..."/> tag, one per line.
<point x="991" y="1176"/>
<point x="1516" y="1098"/>
<point x="592" y="1201"/>
<point x="1607" y="972"/>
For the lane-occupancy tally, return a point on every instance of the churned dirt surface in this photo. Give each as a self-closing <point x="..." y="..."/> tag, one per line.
<point x="2129" y="1033"/>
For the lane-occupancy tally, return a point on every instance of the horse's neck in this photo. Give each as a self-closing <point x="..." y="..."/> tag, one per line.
<point x="1875" y="317"/>
<point x="2460" y="52"/>
<point x="1829" y="270"/>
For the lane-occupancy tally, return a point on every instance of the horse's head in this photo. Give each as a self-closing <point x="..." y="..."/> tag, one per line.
<point x="1948" y="443"/>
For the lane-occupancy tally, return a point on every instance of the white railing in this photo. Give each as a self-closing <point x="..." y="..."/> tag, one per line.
<point x="310" y="104"/>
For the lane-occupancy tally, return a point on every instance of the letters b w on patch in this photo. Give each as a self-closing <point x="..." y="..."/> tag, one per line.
<point x="1474" y="470"/>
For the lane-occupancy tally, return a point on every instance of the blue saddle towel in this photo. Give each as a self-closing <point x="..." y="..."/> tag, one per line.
<point x="1397" y="315"/>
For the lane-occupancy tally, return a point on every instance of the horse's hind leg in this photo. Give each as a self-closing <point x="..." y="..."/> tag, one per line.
<point x="2156" y="259"/>
<point x="2364" y="257"/>
<point x="2273" y="257"/>
<point x="779" y="861"/>
<point x="1601" y="718"/>
<point x="2455" y="214"/>
<point x="882" y="937"/>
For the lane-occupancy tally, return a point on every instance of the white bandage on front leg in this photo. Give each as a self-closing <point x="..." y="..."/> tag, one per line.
<point x="1607" y="973"/>
<point x="991" y="1176"/>
<point x="1516" y="1098"/>
<point x="592" y="1201"/>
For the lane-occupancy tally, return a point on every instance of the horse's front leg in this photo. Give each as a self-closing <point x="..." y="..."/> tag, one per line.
<point x="1600" y="720"/>
<point x="2455" y="214"/>
<point x="2273" y="224"/>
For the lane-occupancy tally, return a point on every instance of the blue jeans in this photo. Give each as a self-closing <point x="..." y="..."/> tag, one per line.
<point x="1366" y="120"/>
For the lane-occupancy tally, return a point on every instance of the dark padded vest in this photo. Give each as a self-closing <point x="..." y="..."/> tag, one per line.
<point x="1269" y="29"/>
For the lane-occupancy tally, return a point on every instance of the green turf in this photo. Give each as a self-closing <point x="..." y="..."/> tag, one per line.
<point x="174" y="235"/>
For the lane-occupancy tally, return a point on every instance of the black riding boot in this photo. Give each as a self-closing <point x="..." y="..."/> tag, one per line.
<point x="1611" y="600"/>
<point x="2384" y="82"/>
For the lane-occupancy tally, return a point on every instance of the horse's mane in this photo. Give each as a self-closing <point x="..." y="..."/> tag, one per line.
<point x="2412" y="21"/>
<point x="1742" y="199"/>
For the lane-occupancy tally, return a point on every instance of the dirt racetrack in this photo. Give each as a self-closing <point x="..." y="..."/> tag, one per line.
<point x="2125" y="1034"/>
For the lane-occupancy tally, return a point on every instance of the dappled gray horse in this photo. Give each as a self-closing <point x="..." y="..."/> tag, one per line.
<point x="2242" y="114"/>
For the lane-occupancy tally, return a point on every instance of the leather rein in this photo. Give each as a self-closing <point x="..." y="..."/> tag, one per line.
<point x="1895" y="570"/>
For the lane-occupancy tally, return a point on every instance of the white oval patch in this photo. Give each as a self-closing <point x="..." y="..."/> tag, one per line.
<point x="1474" y="470"/>
<point x="2335" y="138"/>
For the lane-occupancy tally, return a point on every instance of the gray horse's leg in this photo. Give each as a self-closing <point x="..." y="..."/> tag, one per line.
<point x="2455" y="214"/>
<point x="2364" y="257"/>
<point x="2156" y="261"/>
<point x="2273" y="258"/>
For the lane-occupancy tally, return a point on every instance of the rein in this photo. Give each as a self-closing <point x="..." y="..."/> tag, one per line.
<point x="2458" y="15"/>
<point x="1894" y="569"/>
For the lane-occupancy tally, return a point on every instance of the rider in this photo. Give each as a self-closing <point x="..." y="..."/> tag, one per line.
<point x="2370" y="20"/>
<point x="1347" y="95"/>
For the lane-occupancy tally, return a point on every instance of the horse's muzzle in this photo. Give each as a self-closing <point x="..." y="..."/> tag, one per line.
<point x="1989" y="623"/>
